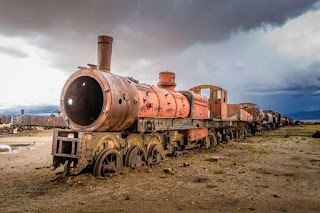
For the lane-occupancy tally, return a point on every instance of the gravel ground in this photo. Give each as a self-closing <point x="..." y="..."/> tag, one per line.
<point x="272" y="172"/>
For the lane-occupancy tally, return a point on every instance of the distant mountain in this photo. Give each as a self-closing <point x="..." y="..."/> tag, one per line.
<point x="306" y="115"/>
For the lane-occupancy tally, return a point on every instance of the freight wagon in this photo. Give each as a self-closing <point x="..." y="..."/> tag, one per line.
<point x="31" y="121"/>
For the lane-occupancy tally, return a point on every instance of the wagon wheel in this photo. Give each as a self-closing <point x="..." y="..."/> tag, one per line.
<point x="155" y="154"/>
<point x="136" y="156"/>
<point x="108" y="161"/>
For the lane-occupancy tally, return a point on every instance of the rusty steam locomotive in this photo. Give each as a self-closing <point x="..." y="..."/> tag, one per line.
<point x="116" y="121"/>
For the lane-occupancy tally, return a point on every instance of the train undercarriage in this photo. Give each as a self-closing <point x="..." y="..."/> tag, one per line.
<point x="108" y="152"/>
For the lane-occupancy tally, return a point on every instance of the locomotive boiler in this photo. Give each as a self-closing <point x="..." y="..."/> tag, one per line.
<point x="116" y="121"/>
<point x="97" y="100"/>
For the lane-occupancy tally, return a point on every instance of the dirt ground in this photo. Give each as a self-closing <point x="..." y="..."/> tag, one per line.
<point x="275" y="171"/>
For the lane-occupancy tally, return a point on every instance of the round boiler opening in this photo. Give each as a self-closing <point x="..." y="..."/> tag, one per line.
<point x="83" y="101"/>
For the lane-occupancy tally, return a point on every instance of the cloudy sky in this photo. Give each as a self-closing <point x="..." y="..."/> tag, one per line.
<point x="266" y="51"/>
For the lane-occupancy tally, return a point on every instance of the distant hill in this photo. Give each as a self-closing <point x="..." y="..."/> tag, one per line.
<point x="306" y="115"/>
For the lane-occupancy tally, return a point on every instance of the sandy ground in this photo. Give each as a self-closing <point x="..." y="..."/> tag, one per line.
<point x="273" y="172"/>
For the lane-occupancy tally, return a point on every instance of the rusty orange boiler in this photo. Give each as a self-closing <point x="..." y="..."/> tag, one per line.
<point x="98" y="100"/>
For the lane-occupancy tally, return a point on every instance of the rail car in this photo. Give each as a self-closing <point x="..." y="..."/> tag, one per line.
<point x="31" y="121"/>
<point x="116" y="121"/>
<point x="286" y="121"/>
<point x="5" y="119"/>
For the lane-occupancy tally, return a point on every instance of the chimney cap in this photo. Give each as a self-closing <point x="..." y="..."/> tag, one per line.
<point x="167" y="72"/>
<point x="167" y="80"/>
<point x="104" y="39"/>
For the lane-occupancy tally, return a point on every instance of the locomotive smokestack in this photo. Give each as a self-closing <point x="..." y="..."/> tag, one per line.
<point x="104" y="52"/>
<point x="22" y="112"/>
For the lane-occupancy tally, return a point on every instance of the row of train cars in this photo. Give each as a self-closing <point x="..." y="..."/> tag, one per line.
<point x="260" y="120"/>
<point x="17" y="123"/>
<point x="115" y="120"/>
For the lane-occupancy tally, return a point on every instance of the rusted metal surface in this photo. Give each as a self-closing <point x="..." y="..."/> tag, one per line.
<point x="268" y="118"/>
<point x="276" y="117"/>
<point x="67" y="146"/>
<point x="236" y="112"/>
<point x="99" y="101"/>
<point x="167" y="80"/>
<point x="104" y="53"/>
<point x="155" y="154"/>
<point x="162" y="124"/>
<point x="5" y="119"/>
<point x="200" y="107"/>
<point x="117" y="120"/>
<point x="217" y="102"/>
<point x="197" y="134"/>
<point x="108" y="161"/>
<point x="136" y="157"/>
<point x="107" y="102"/>
<point x="38" y="121"/>
<point x="88" y="146"/>
<point x="158" y="102"/>
<point x="285" y="121"/>
<point x="254" y="110"/>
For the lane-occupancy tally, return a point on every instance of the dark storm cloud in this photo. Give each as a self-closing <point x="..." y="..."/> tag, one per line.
<point x="286" y="103"/>
<point x="13" y="52"/>
<point x="189" y="37"/>
<point x="184" y="19"/>
<point x="306" y="81"/>
<point x="142" y="28"/>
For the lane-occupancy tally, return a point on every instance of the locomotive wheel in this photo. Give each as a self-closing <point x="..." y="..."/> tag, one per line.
<point x="136" y="156"/>
<point x="155" y="154"/>
<point x="68" y="167"/>
<point x="108" y="161"/>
